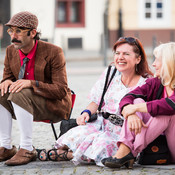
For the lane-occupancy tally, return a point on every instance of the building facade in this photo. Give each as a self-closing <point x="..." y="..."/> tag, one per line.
<point x="70" y="24"/>
<point x="152" y="21"/>
<point x="89" y="24"/>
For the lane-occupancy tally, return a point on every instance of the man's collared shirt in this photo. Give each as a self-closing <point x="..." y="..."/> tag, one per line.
<point x="29" y="70"/>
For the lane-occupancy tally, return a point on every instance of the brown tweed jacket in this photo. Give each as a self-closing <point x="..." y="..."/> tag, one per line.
<point x="50" y="71"/>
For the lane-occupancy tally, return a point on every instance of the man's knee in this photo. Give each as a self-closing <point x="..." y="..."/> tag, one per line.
<point x="6" y="103"/>
<point x="21" y="97"/>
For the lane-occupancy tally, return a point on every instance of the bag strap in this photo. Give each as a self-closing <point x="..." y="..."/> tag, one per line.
<point x="106" y="85"/>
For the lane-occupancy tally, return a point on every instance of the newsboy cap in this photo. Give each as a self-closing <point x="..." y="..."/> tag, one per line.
<point x="24" y="19"/>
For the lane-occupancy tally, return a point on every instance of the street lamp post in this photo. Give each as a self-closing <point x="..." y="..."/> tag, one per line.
<point x="120" y="30"/>
<point x="105" y="39"/>
<point x="1" y="34"/>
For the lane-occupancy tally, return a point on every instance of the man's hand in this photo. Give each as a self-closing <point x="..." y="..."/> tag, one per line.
<point x="82" y="119"/>
<point x="4" y="86"/>
<point x="135" y="124"/>
<point x="19" y="85"/>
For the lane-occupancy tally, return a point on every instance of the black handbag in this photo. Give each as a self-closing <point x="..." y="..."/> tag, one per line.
<point x="68" y="124"/>
<point x="71" y="123"/>
<point x="156" y="153"/>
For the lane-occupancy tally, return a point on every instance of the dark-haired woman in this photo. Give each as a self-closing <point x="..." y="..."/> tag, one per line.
<point x="96" y="140"/>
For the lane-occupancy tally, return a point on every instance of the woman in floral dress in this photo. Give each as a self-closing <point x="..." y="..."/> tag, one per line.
<point x="93" y="141"/>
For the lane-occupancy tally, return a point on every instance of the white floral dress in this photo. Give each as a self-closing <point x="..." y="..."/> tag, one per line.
<point x="97" y="140"/>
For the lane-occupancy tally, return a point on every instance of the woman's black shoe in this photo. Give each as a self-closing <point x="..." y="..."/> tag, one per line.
<point x="128" y="161"/>
<point x="104" y="160"/>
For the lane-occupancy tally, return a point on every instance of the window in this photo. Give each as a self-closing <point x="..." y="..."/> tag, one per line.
<point x="154" y="13"/>
<point x="159" y="13"/>
<point x="70" y="13"/>
<point x="153" y="9"/>
<point x="75" y="43"/>
<point x="148" y="9"/>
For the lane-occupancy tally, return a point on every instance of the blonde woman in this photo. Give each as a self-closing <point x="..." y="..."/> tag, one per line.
<point x="154" y="115"/>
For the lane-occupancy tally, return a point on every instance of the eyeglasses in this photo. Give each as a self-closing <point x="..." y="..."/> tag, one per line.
<point x="130" y="40"/>
<point x="18" y="31"/>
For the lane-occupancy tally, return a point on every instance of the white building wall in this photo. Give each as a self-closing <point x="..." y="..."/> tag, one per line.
<point x="155" y="23"/>
<point x="43" y="9"/>
<point x="91" y="33"/>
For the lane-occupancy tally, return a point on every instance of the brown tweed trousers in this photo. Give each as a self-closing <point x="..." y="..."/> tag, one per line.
<point x="51" y="94"/>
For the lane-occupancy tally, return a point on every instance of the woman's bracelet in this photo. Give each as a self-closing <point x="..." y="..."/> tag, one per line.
<point x="88" y="111"/>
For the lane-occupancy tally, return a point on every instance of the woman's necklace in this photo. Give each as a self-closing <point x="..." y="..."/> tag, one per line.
<point x="129" y="82"/>
<point x="127" y="85"/>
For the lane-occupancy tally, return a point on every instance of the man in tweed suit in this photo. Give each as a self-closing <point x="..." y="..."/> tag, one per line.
<point x="34" y="87"/>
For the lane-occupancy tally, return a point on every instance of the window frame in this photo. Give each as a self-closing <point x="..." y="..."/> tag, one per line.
<point x="68" y="11"/>
<point x="154" y="21"/>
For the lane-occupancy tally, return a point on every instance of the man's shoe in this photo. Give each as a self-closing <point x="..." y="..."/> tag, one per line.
<point x="6" y="154"/>
<point x="22" y="157"/>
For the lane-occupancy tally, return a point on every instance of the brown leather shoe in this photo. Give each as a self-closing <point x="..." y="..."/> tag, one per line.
<point x="22" y="157"/>
<point x="6" y="154"/>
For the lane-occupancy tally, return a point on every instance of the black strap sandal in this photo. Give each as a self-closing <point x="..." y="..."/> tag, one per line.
<point x="62" y="156"/>
<point x="39" y="151"/>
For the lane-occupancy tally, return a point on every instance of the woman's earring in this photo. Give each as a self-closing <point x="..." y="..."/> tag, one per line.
<point x="136" y="68"/>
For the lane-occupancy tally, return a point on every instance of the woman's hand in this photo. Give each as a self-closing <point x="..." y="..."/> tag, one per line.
<point x="128" y="110"/>
<point x="83" y="119"/>
<point x="135" y="124"/>
<point x="133" y="108"/>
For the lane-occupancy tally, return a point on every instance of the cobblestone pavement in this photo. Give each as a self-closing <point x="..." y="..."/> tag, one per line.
<point x="81" y="77"/>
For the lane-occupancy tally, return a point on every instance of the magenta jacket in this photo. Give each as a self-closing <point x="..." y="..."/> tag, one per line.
<point x="151" y="92"/>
